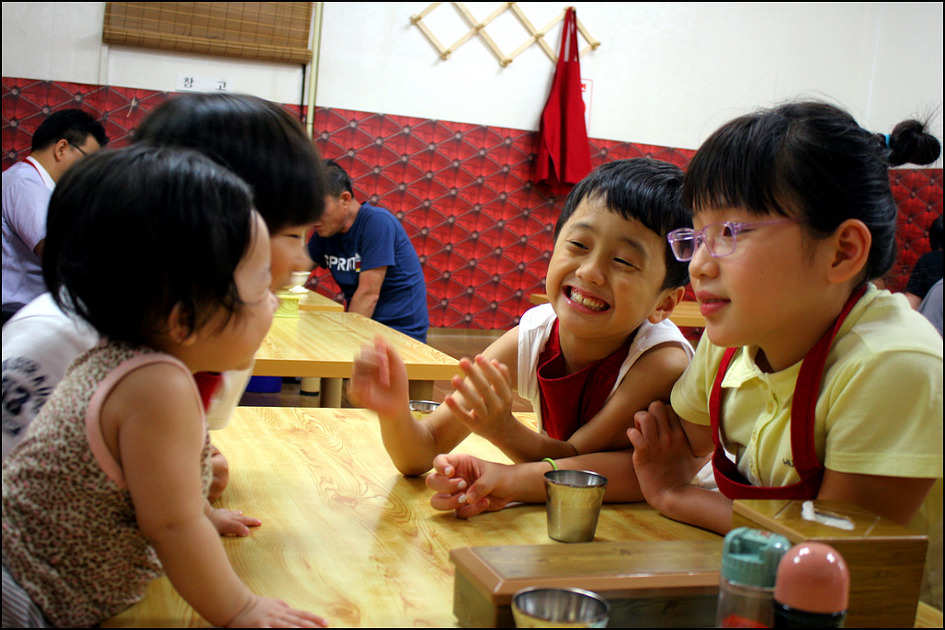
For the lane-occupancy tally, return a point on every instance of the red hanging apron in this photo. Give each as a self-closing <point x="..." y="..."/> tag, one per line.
<point x="731" y="482"/>
<point x="564" y="154"/>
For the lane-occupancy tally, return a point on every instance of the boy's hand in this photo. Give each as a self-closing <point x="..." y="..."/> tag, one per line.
<point x="484" y="400"/>
<point x="379" y="380"/>
<point x="229" y="523"/>
<point x="468" y="485"/>
<point x="662" y="457"/>
<point x="263" y="612"/>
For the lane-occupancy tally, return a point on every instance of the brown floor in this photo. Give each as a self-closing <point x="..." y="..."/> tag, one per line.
<point x="454" y="342"/>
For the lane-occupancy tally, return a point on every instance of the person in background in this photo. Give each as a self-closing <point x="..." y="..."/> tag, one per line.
<point x="267" y="148"/>
<point x="931" y="307"/>
<point x="118" y="460"/>
<point x="928" y="269"/>
<point x="601" y="349"/>
<point x="63" y="139"/>
<point x="370" y="257"/>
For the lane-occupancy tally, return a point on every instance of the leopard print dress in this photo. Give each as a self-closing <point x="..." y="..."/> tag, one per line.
<point x="70" y="537"/>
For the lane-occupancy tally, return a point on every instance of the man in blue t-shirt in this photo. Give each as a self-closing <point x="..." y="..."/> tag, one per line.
<point x="370" y="257"/>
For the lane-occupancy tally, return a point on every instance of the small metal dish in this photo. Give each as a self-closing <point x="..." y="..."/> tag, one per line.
<point x="423" y="406"/>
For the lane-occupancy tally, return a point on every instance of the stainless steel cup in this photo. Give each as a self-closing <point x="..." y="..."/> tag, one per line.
<point x="574" y="500"/>
<point x="537" y="607"/>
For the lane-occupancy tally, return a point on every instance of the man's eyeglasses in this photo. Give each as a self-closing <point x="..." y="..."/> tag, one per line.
<point x="719" y="238"/>
<point x="78" y="148"/>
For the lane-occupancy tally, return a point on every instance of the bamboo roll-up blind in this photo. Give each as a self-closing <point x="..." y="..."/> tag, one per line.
<point x="267" y="31"/>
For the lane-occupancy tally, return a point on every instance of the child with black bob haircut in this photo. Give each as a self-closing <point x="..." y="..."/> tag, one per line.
<point x="809" y="382"/>
<point x="264" y="145"/>
<point x="161" y="252"/>
<point x="597" y="352"/>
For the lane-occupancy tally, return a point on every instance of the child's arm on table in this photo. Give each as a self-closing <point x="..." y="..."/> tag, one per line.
<point x="229" y="522"/>
<point x="895" y="498"/>
<point x="379" y="382"/>
<point x="154" y="420"/>
<point x="902" y="392"/>
<point x="661" y="440"/>
<point x="651" y="378"/>
<point x="667" y="454"/>
<point x="471" y="485"/>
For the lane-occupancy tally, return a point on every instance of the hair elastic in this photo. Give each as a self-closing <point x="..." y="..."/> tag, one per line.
<point x="554" y="466"/>
<point x="887" y="141"/>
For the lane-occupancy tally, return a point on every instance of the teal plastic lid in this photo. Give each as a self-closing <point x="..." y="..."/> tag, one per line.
<point x="750" y="557"/>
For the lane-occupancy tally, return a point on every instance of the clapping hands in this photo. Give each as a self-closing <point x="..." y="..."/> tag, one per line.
<point x="483" y="400"/>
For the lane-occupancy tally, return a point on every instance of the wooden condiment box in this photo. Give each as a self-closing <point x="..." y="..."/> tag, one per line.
<point x="886" y="560"/>
<point x="663" y="583"/>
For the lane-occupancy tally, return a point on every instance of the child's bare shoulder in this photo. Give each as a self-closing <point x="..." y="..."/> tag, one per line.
<point x="153" y="388"/>
<point x="663" y="362"/>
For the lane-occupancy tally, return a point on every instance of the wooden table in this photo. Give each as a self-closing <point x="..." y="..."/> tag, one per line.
<point x="312" y="301"/>
<point x="686" y="312"/>
<point x="323" y="345"/>
<point x="344" y="535"/>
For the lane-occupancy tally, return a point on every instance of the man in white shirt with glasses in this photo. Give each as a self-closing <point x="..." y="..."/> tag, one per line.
<point x="63" y="139"/>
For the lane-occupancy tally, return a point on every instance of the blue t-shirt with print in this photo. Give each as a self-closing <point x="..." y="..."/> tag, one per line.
<point x="377" y="239"/>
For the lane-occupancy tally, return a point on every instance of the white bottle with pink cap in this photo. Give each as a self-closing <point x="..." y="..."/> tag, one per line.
<point x="812" y="588"/>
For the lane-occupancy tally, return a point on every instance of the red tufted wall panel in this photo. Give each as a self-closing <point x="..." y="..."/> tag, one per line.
<point x="463" y="192"/>
<point x="918" y="193"/>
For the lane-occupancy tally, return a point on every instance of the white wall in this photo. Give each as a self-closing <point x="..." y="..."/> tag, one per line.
<point x="665" y="74"/>
<point x="62" y="41"/>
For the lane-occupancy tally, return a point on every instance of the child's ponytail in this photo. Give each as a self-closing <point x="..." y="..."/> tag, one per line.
<point x="910" y="143"/>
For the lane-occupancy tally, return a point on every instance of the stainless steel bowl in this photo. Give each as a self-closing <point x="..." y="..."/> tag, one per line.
<point x="537" y="607"/>
<point x="423" y="406"/>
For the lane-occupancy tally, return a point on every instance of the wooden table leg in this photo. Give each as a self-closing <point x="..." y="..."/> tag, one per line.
<point x="331" y="392"/>
<point x="421" y="390"/>
<point x="310" y="386"/>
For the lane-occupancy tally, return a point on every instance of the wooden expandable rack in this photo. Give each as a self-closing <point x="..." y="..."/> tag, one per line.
<point x="478" y="27"/>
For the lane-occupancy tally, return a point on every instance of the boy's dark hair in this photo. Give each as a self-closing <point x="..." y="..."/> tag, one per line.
<point x="647" y="190"/>
<point x="257" y="140"/>
<point x="809" y="160"/>
<point x="337" y="180"/>
<point x="133" y="232"/>
<point x="935" y="234"/>
<point x="72" y="125"/>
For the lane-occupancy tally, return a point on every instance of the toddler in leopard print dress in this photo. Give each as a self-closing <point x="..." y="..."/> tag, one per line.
<point x="162" y="253"/>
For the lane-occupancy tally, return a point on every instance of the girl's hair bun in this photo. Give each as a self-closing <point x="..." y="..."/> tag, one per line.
<point x="909" y="143"/>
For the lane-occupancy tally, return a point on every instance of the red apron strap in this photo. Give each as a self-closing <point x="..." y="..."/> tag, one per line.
<point x="806" y="393"/>
<point x="803" y="413"/>
<point x="715" y="396"/>
<point x="36" y="168"/>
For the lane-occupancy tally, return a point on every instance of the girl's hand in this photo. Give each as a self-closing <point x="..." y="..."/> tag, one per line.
<point x="379" y="380"/>
<point x="221" y="474"/>
<point x="263" y="612"/>
<point x="483" y="400"/>
<point x="230" y="523"/>
<point x="662" y="457"/>
<point x="469" y="485"/>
